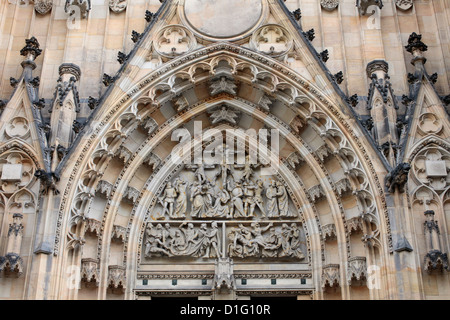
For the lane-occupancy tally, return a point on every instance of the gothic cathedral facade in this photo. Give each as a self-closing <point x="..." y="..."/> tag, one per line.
<point x="226" y="149"/>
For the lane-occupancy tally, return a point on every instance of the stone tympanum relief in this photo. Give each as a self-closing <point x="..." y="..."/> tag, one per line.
<point x="224" y="210"/>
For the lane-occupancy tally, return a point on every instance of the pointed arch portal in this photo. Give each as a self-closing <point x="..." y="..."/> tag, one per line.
<point x="136" y="222"/>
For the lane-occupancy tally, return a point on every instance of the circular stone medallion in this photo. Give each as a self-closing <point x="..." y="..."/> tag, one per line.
<point x="223" y="18"/>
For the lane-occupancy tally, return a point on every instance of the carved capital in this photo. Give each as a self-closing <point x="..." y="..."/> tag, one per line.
<point x="90" y="271"/>
<point x="331" y="275"/>
<point x="357" y="270"/>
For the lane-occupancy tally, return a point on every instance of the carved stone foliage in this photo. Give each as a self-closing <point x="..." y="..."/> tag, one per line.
<point x="173" y="41"/>
<point x="206" y="240"/>
<point x="118" y="6"/>
<point x="17" y="171"/>
<point x="329" y="5"/>
<point x="331" y="275"/>
<point x="43" y="6"/>
<point x="73" y="7"/>
<point x="431" y="167"/>
<point x="404" y="4"/>
<point x="272" y="40"/>
<point x="90" y="271"/>
<point x="357" y="271"/>
<point x="11" y="264"/>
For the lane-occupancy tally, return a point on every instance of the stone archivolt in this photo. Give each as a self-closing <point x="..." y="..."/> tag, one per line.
<point x="127" y="208"/>
<point x="173" y="203"/>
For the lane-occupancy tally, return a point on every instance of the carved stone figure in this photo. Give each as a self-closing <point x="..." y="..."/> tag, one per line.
<point x="398" y="177"/>
<point x="272" y="200"/>
<point x="221" y="207"/>
<point x="240" y="243"/>
<point x="43" y="6"/>
<point x="168" y="199"/>
<point x="283" y="202"/>
<point x="329" y="5"/>
<point x="249" y="198"/>
<point x="259" y="197"/>
<point x="253" y="242"/>
<point x="237" y="204"/>
<point x="290" y="241"/>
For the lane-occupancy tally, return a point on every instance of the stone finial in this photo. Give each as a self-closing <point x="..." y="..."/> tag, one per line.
<point x="378" y="67"/>
<point x="31" y="49"/>
<point x="415" y="43"/>
<point x="416" y="47"/>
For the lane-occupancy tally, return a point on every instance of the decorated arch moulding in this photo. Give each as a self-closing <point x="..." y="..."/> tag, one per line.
<point x="236" y="53"/>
